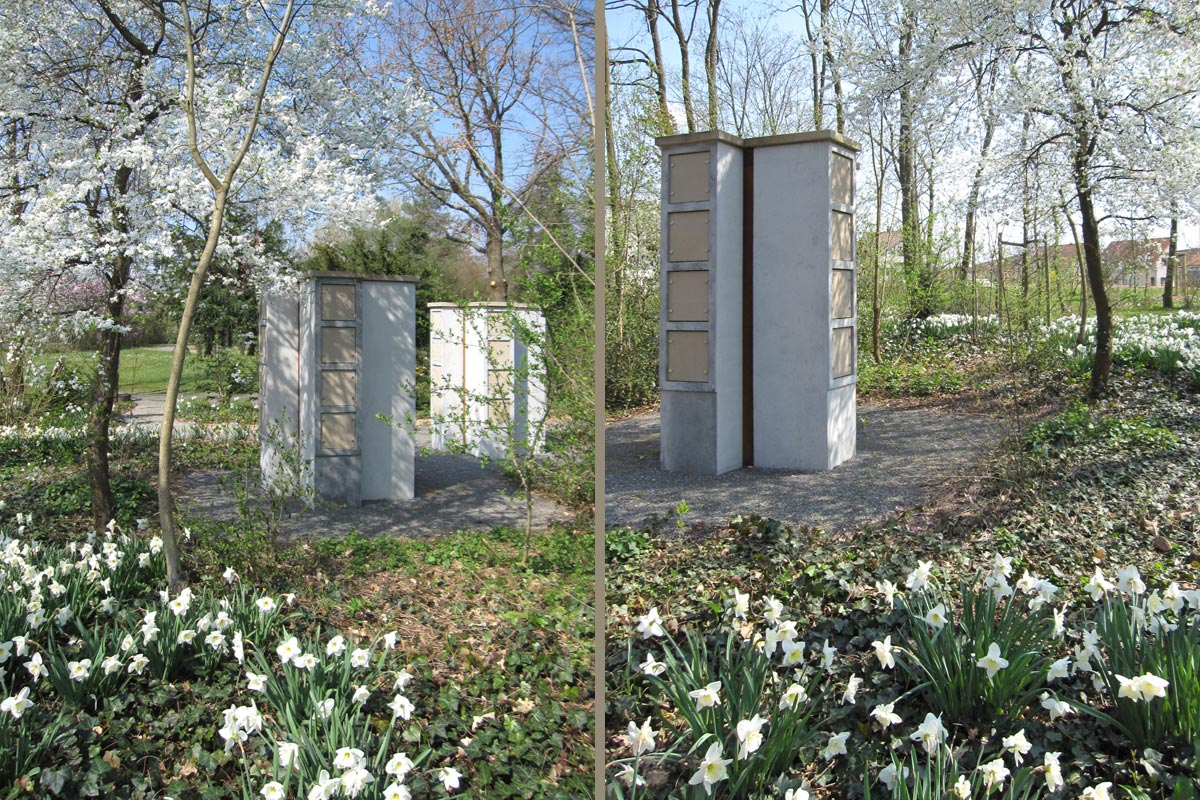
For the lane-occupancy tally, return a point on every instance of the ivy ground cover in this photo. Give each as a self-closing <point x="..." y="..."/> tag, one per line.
<point x="1032" y="631"/>
<point x="368" y="667"/>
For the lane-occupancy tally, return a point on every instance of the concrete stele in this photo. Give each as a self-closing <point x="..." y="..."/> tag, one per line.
<point x="761" y="227"/>
<point x="487" y="383"/>
<point x="337" y="351"/>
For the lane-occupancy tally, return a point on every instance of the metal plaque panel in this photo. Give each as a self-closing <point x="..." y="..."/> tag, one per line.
<point x="843" y="236"/>
<point x="499" y="325"/>
<point x="337" y="432"/>
<point x="500" y="392"/>
<point x="337" y="345"/>
<point x="843" y="352"/>
<point x="842" y="176"/>
<point x="687" y="296"/>
<point x="687" y="236"/>
<point x="339" y="387"/>
<point x="688" y="174"/>
<point x="436" y="346"/>
<point x="687" y="356"/>
<point x="501" y="354"/>
<point x="337" y="302"/>
<point x="843" y="293"/>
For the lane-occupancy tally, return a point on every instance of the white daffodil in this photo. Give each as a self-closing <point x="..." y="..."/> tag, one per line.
<point x="449" y="776"/>
<point x="836" y="746"/>
<point x="792" y="697"/>
<point x="918" y="579"/>
<point x="640" y="740"/>
<point x="651" y="666"/>
<point x="888" y="590"/>
<point x="929" y="733"/>
<point x="707" y="697"/>
<point x="1143" y="687"/>
<point x="749" y="733"/>
<point x="712" y="769"/>
<point x="1098" y="586"/>
<point x="35" y="667"/>
<point x="993" y="662"/>
<point x="266" y="605"/>
<point x="888" y="776"/>
<point x="399" y="765"/>
<point x="348" y="757"/>
<point x="1017" y="746"/>
<point x="793" y="653"/>
<point x="402" y="707"/>
<point x="288" y="650"/>
<point x="354" y="780"/>
<point x="1129" y="581"/>
<point x="851" y="690"/>
<point x="18" y="704"/>
<point x="1098" y="792"/>
<point x="650" y="624"/>
<point x="289" y="755"/>
<point x="827" y="655"/>
<point x="740" y="604"/>
<point x="1059" y="669"/>
<point x="396" y="791"/>
<point x="994" y="773"/>
<point x="772" y="610"/>
<point x="273" y="791"/>
<point x="936" y="617"/>
<point x="1053" y="772"/>
<point x="885" y="716"/>
<point x="1056" y="708"/>
<point x="884" y="652"/>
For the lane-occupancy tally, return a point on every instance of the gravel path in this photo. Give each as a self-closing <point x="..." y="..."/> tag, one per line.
<point x="901" y="454"/>
<point x="453" y="492"/>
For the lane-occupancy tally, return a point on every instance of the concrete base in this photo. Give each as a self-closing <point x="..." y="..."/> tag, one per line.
<point x="689" y="435"/>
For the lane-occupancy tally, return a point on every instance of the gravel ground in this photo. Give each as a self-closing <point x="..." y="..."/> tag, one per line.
<point x="902" y="453"/>
<point x="453" y="493"/>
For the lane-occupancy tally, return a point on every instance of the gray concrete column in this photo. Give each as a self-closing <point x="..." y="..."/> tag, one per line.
<point x="700" y="312"/>
<point x="804" y="301"/>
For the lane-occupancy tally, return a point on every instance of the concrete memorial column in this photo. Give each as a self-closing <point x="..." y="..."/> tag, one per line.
<point x="700" y="310"/>
<point x="487" y="383"/>
<point x="335" y="352"/>
<point x="757" y="315"/>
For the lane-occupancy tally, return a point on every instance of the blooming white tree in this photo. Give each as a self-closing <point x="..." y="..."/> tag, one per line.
<point x="129" y="121"/>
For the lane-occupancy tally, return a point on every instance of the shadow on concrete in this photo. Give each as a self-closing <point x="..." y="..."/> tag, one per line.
<point x="901" y="455"/>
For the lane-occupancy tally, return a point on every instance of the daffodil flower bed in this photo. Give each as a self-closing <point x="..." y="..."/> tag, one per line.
<point x="991" y="690"/>
<point x="86" y="624"/>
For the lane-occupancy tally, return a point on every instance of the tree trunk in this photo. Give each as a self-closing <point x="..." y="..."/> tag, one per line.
<point x="105" y="384"/>
<point x="1172" y="258"/>
<point x="710" y="61"/>
<point x="104" y="392"/>
<point x="497" y="280"/>
<point x="910" y="192"/>
<point x="166" y="513"/>
<point x="989" y="130"/>
<point x="876" y="312"/>
<point x="1090" y="225"/>
<point x="685" y="69"/>
<point x="660" y="76"/>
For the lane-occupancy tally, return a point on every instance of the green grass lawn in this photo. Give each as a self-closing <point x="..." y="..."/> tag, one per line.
<point x="144" y="370"/>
